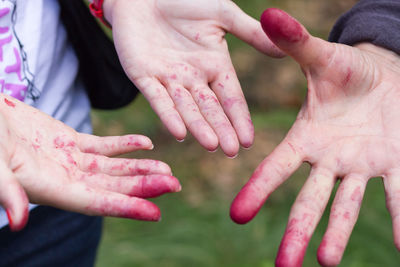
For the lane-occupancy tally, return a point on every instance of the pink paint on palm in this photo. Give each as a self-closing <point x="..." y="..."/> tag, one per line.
<point x="16" y="67"/>
<point x="58" y="142"/>
<point x="279" y="26"/>
<point x="93" y="166"/>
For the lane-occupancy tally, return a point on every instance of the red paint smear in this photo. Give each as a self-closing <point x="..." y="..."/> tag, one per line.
<point x="287" y="256"/>
<point x="9" y="103"/>
<point x="279" y="26"/>
<point x="58" y="142"/>
<point x="229" y="103"/>
<point x="356" y="196"/>
<point x="93" y="167"/>
<point x="155" y="186"/>
<point x="90" y="150"/>
<point x="347" y="77"/>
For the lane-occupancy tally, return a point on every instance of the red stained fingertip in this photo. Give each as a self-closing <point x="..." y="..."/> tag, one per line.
<point x="246" y="205"/>
<point x="144" y="211"/>
<point x="156" y="186"/>
<point x="329" y="255"/>
<point x="15" y="225"/>
<point x="279" y="26"/>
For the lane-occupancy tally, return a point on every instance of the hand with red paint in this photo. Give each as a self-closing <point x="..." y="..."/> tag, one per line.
<point x="347" y="129"/>
<point x="46" y="162"/>
<point x="176" y="54"/>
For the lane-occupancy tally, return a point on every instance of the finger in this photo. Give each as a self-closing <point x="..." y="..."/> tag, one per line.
<point x="392" y="189"/>
<point x="113" y="145"/>
<point x="304" y="217"/>
<point x="229" y="93"/>
<point x="292" y="38"/>
<point x="273" y="171"/>
<point x="247" y="29"/>
<point x="81" y="198"/>
<point x="192" y="117"/>
<point x="118" y="167"/>
<point x="143" y="186"/>
<point x="13" y="198"/>
<point x="344" y="213"/>
<point x="215" y="116"/>
<point x="163" y="105"/>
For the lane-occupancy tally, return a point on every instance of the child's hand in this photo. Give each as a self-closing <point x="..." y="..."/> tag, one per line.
<point x="348" y="129"/>
<point x="46" y="162"/>
<point x="176" y="54"/>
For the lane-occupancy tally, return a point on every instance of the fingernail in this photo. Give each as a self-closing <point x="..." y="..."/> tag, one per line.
<point x="213" y="151"/>
<point x="152" y="147"/>
<point x="232" y="157"/>
<point x="247" y="148"/>
<point x="180" y="140"/>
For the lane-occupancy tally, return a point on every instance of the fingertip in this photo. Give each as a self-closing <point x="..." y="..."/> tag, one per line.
<point x="145" y="211"/>
<point x="177" y="128"/>
<point x="175" y="185"/>
<point x="242" y="209"/>
<point x="17" y="220"/>
<point x="279" y="26"/>
<point x="208" y="140"/>
<point x="230" y="146"/>
<point x="327" y="254"/>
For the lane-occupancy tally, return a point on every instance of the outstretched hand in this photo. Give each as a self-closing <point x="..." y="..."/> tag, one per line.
<point x="347" y="129"/>
<point x="46" y="162"/>
<point x="175" y="52"/>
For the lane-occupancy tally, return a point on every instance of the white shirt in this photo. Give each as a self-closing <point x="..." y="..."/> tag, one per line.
<point x="38" y="65"/>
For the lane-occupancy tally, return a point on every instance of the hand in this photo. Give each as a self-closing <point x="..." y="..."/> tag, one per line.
<point x="175" y="53"/>
<point x="347" y="129"/>
<point x="47" y="162"/>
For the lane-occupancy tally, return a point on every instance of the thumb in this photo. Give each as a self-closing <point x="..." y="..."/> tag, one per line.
<point x="292" y="38"/>
<point x="13" y="198"/>
<point x="247" y="29"/>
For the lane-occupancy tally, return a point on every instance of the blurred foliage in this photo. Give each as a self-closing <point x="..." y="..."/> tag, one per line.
<point x="196" y="229"/>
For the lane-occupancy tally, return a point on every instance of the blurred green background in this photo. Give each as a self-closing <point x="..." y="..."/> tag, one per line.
<point x="196" y="229"/>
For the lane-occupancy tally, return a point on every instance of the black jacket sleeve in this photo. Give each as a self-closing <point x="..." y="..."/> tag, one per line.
<point x="373" y="21"/>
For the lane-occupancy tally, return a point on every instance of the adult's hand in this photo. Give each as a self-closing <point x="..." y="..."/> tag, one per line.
<point x="46" y="162"/>
<point x="347" y="129"/>
<point x="175" y="52"/>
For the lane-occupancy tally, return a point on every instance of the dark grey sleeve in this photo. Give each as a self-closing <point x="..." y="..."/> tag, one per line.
<point x="374" y="21"/>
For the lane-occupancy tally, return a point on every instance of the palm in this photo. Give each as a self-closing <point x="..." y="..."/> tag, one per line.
<point x="56" y="166"/>
<point x="346" y="130"/>
<point x="176" y="54"/>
